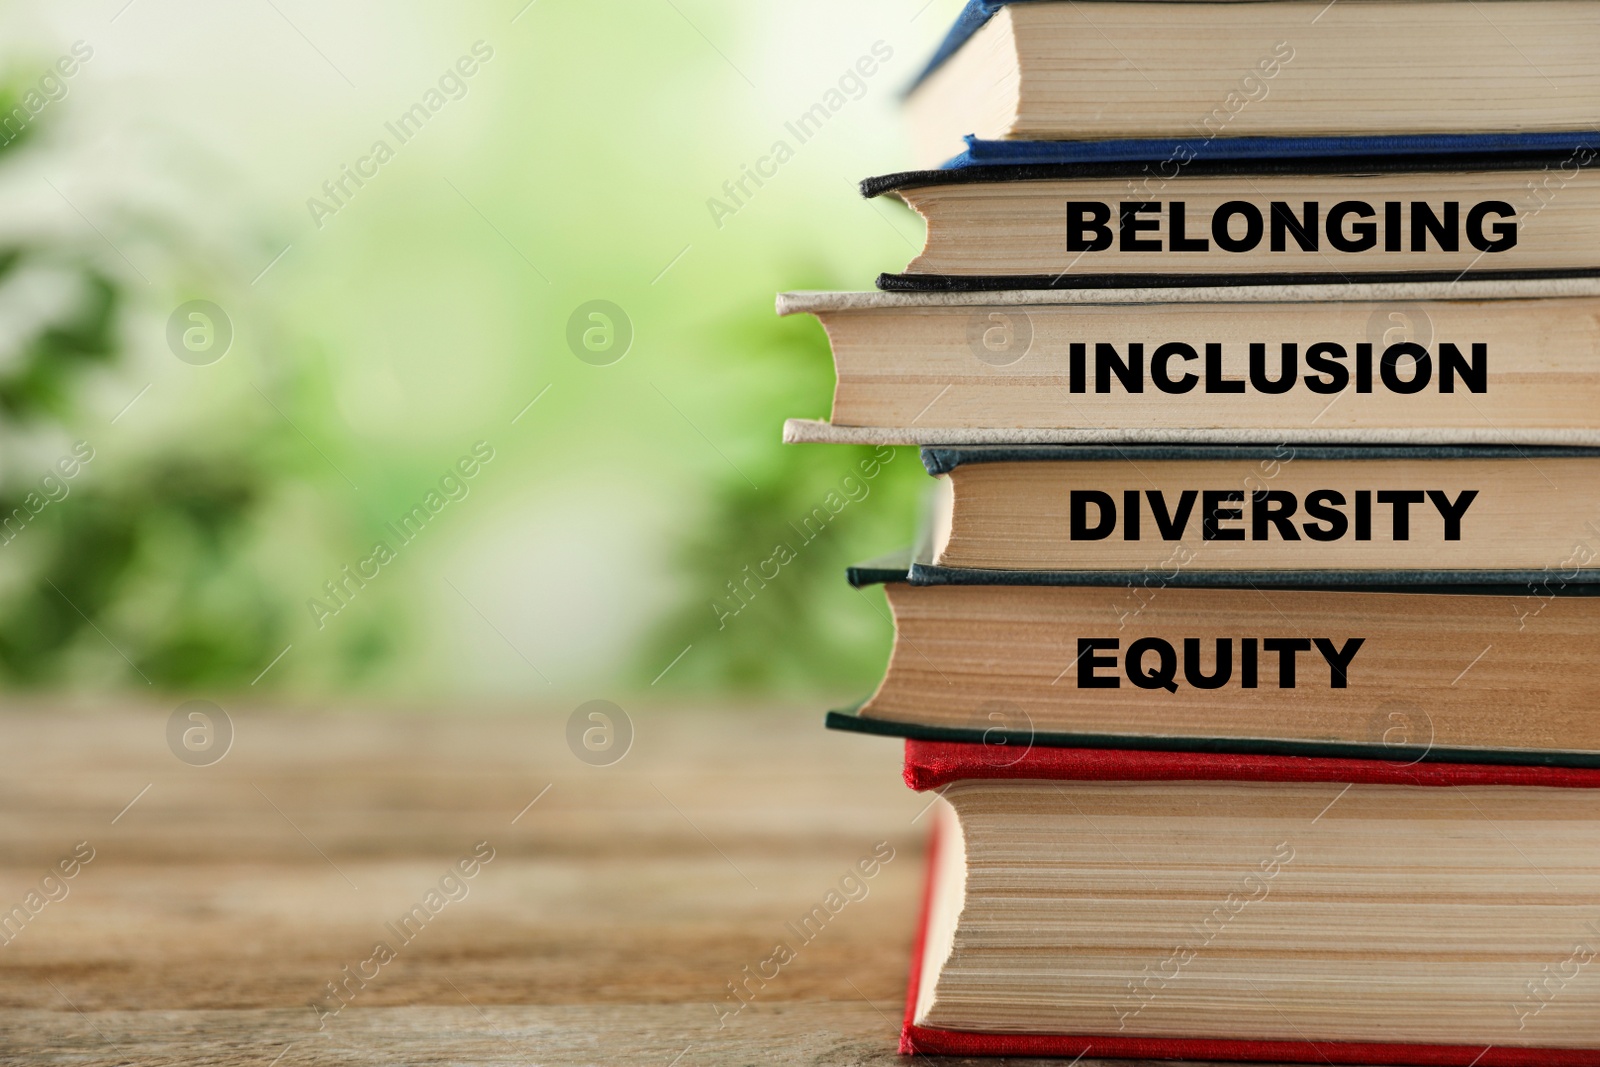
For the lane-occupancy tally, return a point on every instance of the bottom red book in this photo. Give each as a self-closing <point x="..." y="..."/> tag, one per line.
<point x="1154" y="905"/>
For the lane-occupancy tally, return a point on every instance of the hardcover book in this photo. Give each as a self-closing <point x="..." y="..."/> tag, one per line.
<point x="1248" y="908"/>
<point x="1404" y="363"/>
<point x="1093" y="70"/>
<point x="1501" y="512"/>
<point x="1441" y="667"/>
<point x="1218" y="220"/>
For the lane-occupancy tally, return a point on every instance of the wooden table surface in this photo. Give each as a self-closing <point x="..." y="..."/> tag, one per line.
<point x="221" y="902"/>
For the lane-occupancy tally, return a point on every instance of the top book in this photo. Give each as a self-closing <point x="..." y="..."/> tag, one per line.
<point x="1040" y="70"/>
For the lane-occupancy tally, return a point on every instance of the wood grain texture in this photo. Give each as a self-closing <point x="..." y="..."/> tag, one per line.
<point x="604" y="930"/>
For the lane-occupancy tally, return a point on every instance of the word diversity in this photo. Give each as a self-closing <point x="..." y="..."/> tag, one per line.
<point x="1272" y="512"/>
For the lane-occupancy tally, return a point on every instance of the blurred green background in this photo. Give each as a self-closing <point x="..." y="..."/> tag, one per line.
<point x="399" y="317"/>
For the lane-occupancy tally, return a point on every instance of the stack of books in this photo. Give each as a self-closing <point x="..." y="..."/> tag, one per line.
<point x="1251" y="641"/>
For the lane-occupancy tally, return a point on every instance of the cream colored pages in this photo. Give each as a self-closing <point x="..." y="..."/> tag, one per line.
<point x="1095" y="71"/>
<point x="1264" y="911"/>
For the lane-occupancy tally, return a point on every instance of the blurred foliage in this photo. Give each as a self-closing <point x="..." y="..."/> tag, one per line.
<point x="174" y="514"/>
<point x="805" y="626"/>
<point x="150" y="557"/>
<point x="39" y="385"/>
<point x="380" y="343"/>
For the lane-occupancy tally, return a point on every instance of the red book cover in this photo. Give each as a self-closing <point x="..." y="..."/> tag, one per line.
<point x="934" y="764"/>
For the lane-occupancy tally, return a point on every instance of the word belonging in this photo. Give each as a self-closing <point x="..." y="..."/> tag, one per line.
<point x="1163" y="673"/>
<point x="1089" y="226"/>
<point x="1404" y="367"/>
<point x="1271" y="511"/>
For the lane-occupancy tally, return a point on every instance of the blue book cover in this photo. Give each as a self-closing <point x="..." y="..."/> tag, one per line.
<point x="1220" y="148"/>
<point x="969" y="22"/>
<point x="1520" y="158"/>
<point x="1184" y="150"/>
